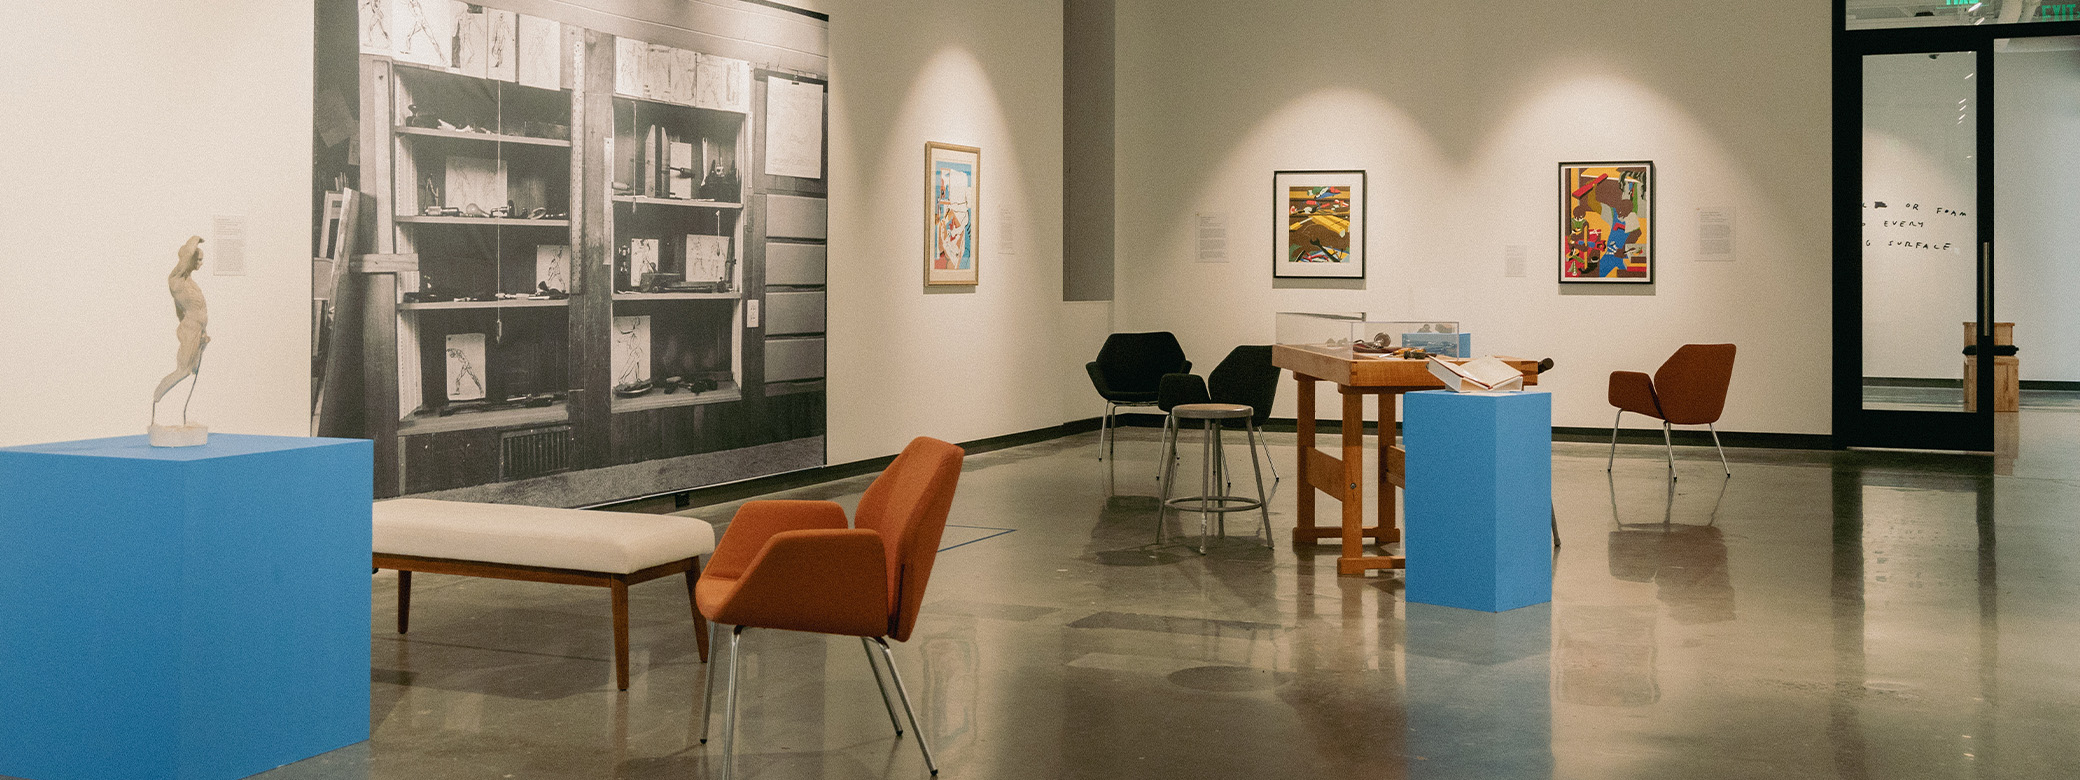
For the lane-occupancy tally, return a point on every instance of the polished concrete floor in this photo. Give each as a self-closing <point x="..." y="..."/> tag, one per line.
<point x="1818" y="614"/>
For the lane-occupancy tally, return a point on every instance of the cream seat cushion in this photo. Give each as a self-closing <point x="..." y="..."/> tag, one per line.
<point x="609" y="542"/>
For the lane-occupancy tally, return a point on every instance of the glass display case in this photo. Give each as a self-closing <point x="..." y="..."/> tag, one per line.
<point x="1329" y="332"/>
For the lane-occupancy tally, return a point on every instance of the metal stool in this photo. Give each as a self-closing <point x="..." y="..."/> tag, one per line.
<point x="1213" y="472"/>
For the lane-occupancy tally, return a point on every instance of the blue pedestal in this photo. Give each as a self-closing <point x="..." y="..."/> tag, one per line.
<point x="192" y="613"/>
<point x="1479" y="481"/>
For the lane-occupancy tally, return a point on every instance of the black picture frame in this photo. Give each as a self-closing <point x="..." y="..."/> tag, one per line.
<point x="1582" y="247"/>
<point x="1327" y="264"/>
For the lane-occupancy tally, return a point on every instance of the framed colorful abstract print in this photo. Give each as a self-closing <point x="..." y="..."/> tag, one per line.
<point x="1607" y="223"/>
<point x="1321" y="224"/>
<point x="953" y="200"/>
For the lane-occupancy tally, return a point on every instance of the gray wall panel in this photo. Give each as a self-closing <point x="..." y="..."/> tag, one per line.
<point x="789" y="313"/>
<point x="790" y="216"/>
<point x="795" y="264"/>
<point x="791" y="359"/>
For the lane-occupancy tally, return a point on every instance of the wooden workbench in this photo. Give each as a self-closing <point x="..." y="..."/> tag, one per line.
<point x="1343" y="477"/>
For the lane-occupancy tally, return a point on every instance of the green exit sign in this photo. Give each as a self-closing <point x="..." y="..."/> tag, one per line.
<point x="2059" y="12"/>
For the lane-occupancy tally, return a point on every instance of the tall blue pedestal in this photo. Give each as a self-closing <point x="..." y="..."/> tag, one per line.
<point x="194" y="613"/>
<point x="1479" y="482"/>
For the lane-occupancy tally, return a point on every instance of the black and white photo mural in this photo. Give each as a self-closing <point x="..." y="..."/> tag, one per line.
<point x="568" y="252"/>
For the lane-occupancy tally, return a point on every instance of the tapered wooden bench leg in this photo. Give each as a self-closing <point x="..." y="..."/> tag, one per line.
<point x="700" y="624"/>
<point x="620" y="588"/>
<point x="404" y="600"/>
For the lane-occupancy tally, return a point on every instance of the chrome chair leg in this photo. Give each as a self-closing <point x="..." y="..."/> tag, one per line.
<point x="890" y="656"/>
<point x="1263" y="501"/>
<point x="1722" y="450"/>
<point x="1613" y="461"/>
<point x="1268" y="460"/>
<point x="885" y="700"/>
<point x="1668" y="440"/>
<point x="708" y="691"/>
<point x="1207" y="483"/>
<point x="1104" y="429"/>
<point x="1168" y="422"/>
<point x="1221" y="475"/>
<point x="729" y="711"/>
<point x="1169" y="456"/>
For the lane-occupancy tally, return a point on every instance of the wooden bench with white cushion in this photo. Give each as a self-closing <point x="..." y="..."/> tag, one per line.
<point x="568" y="546"/>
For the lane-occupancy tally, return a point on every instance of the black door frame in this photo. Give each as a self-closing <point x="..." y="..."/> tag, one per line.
<point x="1855" y="426"/>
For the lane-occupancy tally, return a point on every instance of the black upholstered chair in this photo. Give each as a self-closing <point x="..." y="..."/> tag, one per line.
<point x="1246" y="376"/>
<point x="1128" y="372"/>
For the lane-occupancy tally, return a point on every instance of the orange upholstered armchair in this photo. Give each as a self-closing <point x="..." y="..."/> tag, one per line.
<point x="1689" y="389"/>
<point x="796" y="565"/>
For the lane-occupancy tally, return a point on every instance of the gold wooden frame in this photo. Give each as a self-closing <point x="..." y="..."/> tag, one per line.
<point x="933" y="276"/>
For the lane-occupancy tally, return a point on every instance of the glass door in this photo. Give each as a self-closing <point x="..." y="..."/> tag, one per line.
<point x="1923" y="279"/>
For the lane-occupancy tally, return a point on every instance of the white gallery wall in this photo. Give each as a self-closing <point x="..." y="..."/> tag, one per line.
<point x="958" y="363"/>
<point x="128" y="132"/>
<point x="1459" y="112"/>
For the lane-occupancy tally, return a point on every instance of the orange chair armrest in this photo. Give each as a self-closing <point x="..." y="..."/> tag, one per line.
<point x="1633" y="391"/>
<point x="827" y="581"/>
<point x="757" y="521"/>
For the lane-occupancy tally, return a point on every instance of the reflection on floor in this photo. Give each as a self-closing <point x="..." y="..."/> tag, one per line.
<point x="1819" y="614"/>
<point x="1951" y="399"/>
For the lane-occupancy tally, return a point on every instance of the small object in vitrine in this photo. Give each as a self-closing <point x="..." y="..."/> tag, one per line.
<point x="701" y="385"/>
<point x="537" y="400"/>
<point x="671" y="384"/>
<point x="417" y="119"/>
<point x="721" y="184"/>
<point x="633" y="389"/>
<point x="1379" y="345"/>
<point x="503" y="211"/>
<point x="427" y="296"/>
<point x="542" y="291"/>
<point x="542" y="213"/>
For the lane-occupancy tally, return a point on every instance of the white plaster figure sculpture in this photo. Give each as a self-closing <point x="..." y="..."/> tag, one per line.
<point x="193" y="332"/>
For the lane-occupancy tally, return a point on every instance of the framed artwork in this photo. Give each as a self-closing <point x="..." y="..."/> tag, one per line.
<point x="1607" y="222"/>
<point x="1321" y="225"/>
<point x="952" y="201"/>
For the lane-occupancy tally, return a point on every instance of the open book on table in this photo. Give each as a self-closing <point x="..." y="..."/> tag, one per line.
<point x="1477" y="375"/>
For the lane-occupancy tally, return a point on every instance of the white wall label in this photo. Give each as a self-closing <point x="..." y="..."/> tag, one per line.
<point x="1715" y="235"/>
<point x="225" y="252"/>
<point x="1515" y="257"/>
<point x="1210" y="235"/>
<point x="751" y="313"/>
